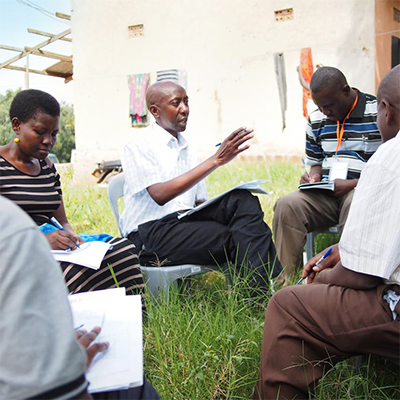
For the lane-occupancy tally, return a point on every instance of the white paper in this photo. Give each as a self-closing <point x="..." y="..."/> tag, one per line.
<point x="89" y="254"/>
<point x="120" y="318"/>
<point x="252" y="186"/>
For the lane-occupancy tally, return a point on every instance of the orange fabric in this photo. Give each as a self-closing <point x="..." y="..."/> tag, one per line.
<point x="340" y="130"/>
<point x="306" y="71"/>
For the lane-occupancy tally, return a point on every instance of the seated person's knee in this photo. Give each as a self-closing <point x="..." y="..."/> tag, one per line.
<point x="287" y="203"/>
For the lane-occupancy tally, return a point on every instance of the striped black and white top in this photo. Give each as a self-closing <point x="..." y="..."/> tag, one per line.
<point x="361" y="137"/>
<point x="38" y="195"/>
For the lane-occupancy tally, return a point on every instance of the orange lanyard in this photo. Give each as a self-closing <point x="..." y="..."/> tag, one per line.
<point x="340" y="130"/>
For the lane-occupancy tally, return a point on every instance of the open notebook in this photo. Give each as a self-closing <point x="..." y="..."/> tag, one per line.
<point x="252" y="186"/>
<point x="326" y="185"/>
<point x="89" y="254"/>
<point x="120" y="318"/>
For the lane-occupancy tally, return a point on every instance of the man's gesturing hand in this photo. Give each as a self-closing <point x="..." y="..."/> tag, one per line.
<point x="230" y="147"/>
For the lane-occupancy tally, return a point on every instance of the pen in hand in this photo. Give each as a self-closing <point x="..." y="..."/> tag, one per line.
<point x="59" y="226"/>
<point x="219" y="144"/>
<point x="305" y="167"/>
<point x="329" y="251"/>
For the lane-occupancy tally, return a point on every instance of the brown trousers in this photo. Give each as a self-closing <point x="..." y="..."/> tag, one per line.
<point x="301" y="212"/>
<point x="309" y="328"/>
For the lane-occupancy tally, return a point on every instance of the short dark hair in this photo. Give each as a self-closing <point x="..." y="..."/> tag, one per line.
<point x="329" y="78"/>
<point x="28" y="103"/>
<point x="390" y="87"/>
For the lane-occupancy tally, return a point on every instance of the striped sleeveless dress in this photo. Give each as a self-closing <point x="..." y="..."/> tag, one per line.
<point x="40" y="196"/>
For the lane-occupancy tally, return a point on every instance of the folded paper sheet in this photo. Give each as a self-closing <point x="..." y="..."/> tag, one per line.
<point x="252" y="186"/>
<point x="120" y="318"/>
<point x="89" y="254"/>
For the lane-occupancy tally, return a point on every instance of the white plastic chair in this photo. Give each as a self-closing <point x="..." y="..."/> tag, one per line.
<point x="115" y="190"/>
<point x="311" y="237"/>
<point x="158" y="279"/>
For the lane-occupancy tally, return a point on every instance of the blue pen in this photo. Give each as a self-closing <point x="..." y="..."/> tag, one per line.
<point x="58" y="225"/>
<point x="305" y="167"/>
<point x="329" y="251"/>
<point x="219" y="144"/>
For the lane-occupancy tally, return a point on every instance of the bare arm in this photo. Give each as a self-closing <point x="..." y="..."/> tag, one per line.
<point x="344" y="186"/>
<point x="341" y="276"/>
<point x="62" y="240"/>
<point x="60" y="214"/>
<point x="332" y="271"/>
<point x="61" y="217"/>
<point x="163" y="192"/>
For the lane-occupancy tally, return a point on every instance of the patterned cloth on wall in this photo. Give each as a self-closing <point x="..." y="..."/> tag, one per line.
<point x="138" y="84"/>
<point x="306" y="71"/>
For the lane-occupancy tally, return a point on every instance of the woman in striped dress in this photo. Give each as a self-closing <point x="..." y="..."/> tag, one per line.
<point x="29" y="179"/>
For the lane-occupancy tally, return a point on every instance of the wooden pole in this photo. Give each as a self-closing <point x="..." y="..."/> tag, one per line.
<point x="27" y="72"/>
<point x="41" y="33"/>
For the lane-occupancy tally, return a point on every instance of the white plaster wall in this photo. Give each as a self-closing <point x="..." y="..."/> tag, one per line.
<point x="227" y="48"/>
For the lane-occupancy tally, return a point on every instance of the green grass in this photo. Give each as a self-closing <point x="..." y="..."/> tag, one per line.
<point x="205" y="342"/>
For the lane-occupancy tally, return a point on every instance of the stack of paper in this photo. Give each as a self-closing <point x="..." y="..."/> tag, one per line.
<point x="252" y="186"/>
<point x="89" y="254"/>
<point x="120" y="318"/>
<point x="327" y="185"/>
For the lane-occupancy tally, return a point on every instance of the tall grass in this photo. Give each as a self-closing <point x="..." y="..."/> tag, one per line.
<point x="205" y="342"/>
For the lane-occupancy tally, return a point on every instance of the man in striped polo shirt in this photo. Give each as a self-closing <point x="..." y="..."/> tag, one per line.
<point x="341" y="136"/>
<point x="351" y="304"/>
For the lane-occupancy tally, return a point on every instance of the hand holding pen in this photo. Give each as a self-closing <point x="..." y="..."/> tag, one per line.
<point x="305" y="167"/>
<point x="243" y="130"/>
<point x="62" y="239"/>
<point x="308" y="269"/>
<point x="314" y="175"/>
<point x="234" y="144"/>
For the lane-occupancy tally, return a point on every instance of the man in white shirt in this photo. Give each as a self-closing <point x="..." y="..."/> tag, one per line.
<point x="163" y="177"/>
<point x="352" y="306"/>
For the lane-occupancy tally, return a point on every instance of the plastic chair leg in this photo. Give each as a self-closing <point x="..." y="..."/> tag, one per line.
<point x="310" y="245"/>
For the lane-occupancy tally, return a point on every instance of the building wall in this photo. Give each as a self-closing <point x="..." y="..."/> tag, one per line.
<point x="227" y="49"/>
<point x="386" y="26"/>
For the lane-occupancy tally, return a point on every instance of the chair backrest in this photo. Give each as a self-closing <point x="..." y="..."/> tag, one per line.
<point x="115" y="190"/>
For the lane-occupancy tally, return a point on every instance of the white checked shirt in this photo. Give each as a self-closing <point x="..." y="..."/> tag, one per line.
<point x="156" y="157"/>
<point x="370" y="242"/>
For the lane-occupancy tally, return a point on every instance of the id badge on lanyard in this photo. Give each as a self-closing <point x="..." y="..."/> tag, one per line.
<point x="339" y="169"/>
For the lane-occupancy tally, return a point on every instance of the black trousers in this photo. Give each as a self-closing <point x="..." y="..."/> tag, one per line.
<point x="232" y="229"/>
<point x="144" y="392"/>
